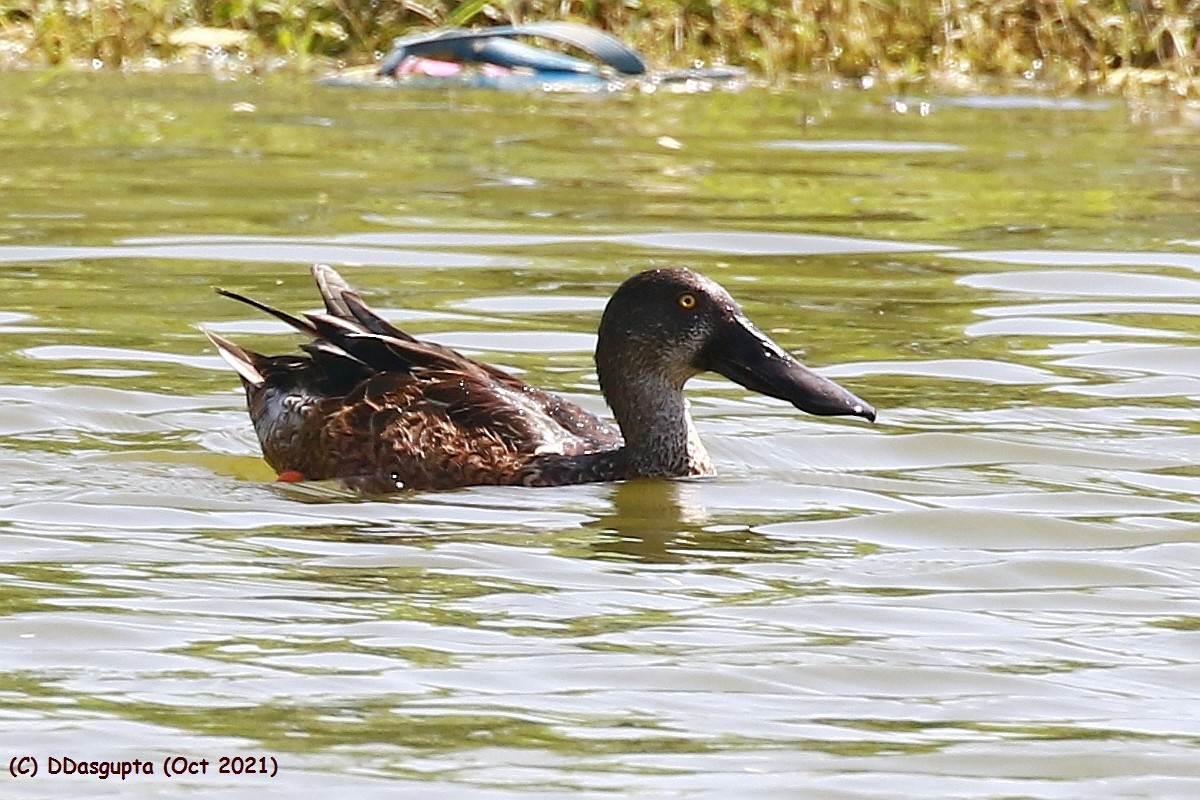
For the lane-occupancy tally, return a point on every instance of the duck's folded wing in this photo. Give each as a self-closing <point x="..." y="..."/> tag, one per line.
<point x="405" y="352"/>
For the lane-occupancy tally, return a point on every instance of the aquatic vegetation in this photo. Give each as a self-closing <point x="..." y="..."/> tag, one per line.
<point x="1064" y="44"/>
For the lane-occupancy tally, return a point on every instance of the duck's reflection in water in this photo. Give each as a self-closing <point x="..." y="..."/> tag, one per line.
<point x="653" y="519"/>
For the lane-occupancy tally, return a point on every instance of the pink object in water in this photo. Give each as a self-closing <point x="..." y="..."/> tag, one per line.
<point x="414" y="65"/>
<point x="434" y="68"/>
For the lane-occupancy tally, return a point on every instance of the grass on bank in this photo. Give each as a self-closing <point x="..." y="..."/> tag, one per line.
<point x="1068" y="44"/>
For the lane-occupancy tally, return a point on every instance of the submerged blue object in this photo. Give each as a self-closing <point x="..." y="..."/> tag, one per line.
<point x="495" y="46"/>
<point x="493" y="58"/>
<point x="512" y="54"/>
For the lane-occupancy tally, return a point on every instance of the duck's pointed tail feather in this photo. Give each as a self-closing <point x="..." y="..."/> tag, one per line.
<point x="332" y="285"/>
<point x="342" y="301"/>
<point x="245" y="362"/>
<point x="295" y="322"/>
<point x="370" y="320"/>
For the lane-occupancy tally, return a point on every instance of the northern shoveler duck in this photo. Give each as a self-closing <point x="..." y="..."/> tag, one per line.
<point x="371" y="404"/>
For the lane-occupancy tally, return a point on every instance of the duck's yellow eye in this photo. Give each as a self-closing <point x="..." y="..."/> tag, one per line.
<point x="687" y="301"/>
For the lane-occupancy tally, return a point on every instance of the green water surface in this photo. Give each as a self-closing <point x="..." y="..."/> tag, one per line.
<point x="991" y="593"/>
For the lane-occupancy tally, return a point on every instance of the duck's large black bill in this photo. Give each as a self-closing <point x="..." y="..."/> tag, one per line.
<point x="744" y="354"/>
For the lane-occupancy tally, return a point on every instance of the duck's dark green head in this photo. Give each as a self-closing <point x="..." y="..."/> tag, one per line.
<point x="670" y="324"/>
